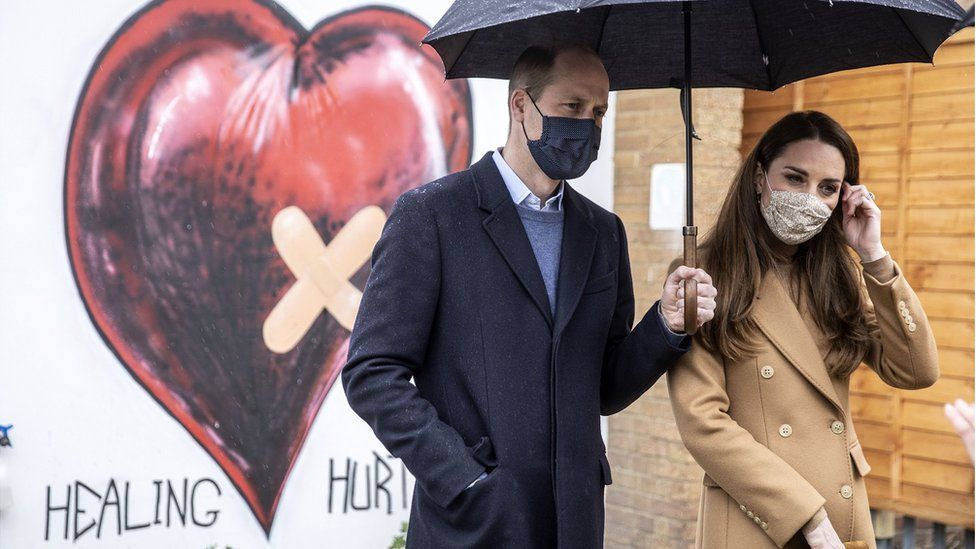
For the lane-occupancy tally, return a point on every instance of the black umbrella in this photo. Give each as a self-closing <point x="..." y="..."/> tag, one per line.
<point x="757" y="44"/>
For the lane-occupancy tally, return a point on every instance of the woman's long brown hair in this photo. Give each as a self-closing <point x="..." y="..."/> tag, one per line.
<point x="737" y="253"/>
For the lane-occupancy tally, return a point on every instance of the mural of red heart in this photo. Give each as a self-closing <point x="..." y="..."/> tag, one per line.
<point x="198" y="123"/>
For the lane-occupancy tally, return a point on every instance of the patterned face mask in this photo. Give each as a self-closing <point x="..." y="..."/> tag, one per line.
<point x="794" y="217"/>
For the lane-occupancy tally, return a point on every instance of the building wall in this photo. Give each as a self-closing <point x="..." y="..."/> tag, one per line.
<point x="654" y="498"/>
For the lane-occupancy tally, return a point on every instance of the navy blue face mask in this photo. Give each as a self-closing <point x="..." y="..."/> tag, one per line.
<point x="566" y="147"/>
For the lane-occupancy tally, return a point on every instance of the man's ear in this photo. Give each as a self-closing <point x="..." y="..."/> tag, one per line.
<point x="516" y="103"/>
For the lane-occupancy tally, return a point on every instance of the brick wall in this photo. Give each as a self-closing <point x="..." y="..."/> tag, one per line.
<point x="654" y="499"/>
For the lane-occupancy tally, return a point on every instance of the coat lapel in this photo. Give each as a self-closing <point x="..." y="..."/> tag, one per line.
<point x="506" y="231"/>
<point x="780" y="321"/>
<point x="579" y="243"/>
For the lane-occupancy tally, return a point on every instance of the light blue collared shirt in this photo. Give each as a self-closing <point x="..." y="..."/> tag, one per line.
<point x="520" y="192"/>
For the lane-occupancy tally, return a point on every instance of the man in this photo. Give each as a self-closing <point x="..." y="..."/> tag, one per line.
<point x="507" y="297"/>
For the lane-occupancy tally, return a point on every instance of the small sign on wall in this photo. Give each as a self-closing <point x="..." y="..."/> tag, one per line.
<point x="667" y="208"/>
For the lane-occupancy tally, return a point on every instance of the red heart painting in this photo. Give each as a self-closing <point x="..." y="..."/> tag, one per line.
<point x="198" y="123"/>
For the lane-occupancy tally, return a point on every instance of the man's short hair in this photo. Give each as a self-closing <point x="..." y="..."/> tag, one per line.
<point x="533" y="69"/>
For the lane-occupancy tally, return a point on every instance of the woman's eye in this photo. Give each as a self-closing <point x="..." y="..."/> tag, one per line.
<point x="828" y="190"/>
<point x="794" y="178"/>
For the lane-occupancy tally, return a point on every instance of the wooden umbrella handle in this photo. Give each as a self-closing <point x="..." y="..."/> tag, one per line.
<point x="691" y="286"/>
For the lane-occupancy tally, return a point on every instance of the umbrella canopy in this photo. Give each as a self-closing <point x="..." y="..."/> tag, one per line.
<point x="757" y="44"/>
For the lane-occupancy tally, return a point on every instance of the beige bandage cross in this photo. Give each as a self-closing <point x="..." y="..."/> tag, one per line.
<point x="322" y="273"/>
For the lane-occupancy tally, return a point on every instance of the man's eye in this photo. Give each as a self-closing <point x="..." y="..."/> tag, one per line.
<point x="601" y="114"/>
<point x="572" y="106"/>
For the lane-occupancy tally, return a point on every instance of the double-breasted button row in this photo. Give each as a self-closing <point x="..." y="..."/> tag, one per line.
<point x="837" y="427"/>
<point x="755" y="518"/>
<point x="906" y="315"/>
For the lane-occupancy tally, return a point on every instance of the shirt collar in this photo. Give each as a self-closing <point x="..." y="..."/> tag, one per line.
<point x="520" y="192"/>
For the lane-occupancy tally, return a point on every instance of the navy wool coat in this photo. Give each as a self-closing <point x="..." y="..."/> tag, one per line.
<point x="456" y="302"/>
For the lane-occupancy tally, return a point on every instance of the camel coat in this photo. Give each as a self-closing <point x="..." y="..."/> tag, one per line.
<point x="774" y="432"/>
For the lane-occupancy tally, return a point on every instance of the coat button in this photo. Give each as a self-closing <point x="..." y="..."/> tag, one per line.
<point x="837" y="427"/>
<point x="846" y="491"/>
<point x="904" y="312"/>
<point x="785" y="430"/>
<point x="909" y="319"/>
<point x="902" y="305"/>
<point x="750" y="514"/>
<point x="767" y="372"/>
<point x="912" y="327"/>
<point x="743" y="507"/>
<point x="764" y="526"/>
<point x="758" y="520"/>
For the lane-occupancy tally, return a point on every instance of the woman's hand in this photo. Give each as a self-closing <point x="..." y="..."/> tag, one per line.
<point x="823" y="536"/>
<point x="862" y="222"/>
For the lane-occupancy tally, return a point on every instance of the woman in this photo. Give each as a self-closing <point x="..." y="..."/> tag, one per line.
<point x="761" y="400"/>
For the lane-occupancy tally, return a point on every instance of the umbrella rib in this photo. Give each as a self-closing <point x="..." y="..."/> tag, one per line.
<point x="447" y="71"/>
<point x="762" y="45"/>
<point x="911" y="32"/>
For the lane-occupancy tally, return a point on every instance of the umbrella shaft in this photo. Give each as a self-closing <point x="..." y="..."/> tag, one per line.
<point x="689" y="201"/>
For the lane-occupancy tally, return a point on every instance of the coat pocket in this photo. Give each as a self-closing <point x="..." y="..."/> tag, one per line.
<point x="484" y="453"/>
<point x="857" y="455"/>
<point x="600" y="283"/>
<point x="474" y="515"/>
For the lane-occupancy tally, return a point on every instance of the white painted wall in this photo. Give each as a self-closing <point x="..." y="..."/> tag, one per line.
<point x="77" y="414"/>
